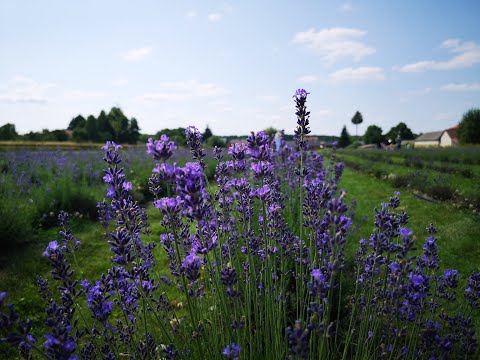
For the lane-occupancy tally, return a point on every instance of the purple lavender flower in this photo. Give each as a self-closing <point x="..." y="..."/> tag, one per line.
<point x="160" y="149"/>
<point x="300" y="93"/>
<point x="194" y="140"/>
<point x="472" y="292"/>
<point x="51" y="248"/>
<point x="191" y="266"/>
<point x="298" y="341"/>
<point x="232" y="352"/>
<point x="169" y="206"/>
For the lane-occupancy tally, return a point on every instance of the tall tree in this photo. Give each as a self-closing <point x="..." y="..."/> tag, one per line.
<point x="469" y="127"/>
<point x="91" y="128"/>
<point x="373" y="135"/>
<point x="77" y="123"/>
<point x="344" y="140"/>
<point x="133" y="131"/>
<point x="357" y="119"/>
<point x="207" y="134"/>
<point x="403" y="130"/>
<point x="8" y="132"/>
<point x="105" y="130"/>
<point x="119" y="123"/>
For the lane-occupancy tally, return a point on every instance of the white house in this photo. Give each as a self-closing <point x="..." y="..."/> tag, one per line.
<point x="449" y="137"/>
<point x="442" y="138"/>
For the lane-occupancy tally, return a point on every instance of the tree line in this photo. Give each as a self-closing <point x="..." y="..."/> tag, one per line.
<point x="468" y="131"/>
<point x="112" y="126"/>
<point x="117" y="127"/>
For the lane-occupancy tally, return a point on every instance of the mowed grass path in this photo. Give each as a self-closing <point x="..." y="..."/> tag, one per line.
<point x="458" y="230"/>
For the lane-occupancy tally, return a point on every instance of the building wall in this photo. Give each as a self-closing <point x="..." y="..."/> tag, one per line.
<point x="426" y="143"/>
<point x="445" y="140"/>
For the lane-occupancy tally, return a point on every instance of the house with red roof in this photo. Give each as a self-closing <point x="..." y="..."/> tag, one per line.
<point x="443" y="138"/>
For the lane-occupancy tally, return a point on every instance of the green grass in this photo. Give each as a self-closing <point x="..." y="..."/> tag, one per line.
<point x="457" y="229"/>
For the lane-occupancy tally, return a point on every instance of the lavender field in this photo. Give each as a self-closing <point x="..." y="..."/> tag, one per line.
<point x="255" y="251"/>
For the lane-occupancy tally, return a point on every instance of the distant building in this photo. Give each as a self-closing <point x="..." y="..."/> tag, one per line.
<point x="449" y="137"/>
<point x="313" y="142"/>
<point x="69" y="134"/>
<point x="442" y="138"/>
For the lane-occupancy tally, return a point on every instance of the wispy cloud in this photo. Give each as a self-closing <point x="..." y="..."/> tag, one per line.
<point x="24" y="90"/>
<point x="467" y="55"/>
<point x="214" y="17"/>
<point x="335" y="43"/>
<point x="119" y="82"/>
<point x="191" y="14"/>
<point x="182" y="90"/>
<point x="461" y="87"/>
<point x="345" y="7"/>
<point x="137" y="54"/>
<point x="357" y="74"/>
<point x="82" y="94"/>
<point x="307" y="79"/>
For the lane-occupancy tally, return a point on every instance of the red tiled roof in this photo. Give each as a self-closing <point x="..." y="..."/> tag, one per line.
<point x="452" y="132"/>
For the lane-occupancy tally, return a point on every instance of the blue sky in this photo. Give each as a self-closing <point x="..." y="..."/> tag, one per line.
<point x="235" y="65"/>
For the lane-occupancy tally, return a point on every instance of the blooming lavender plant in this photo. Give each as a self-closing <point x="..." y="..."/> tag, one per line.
<point x="257" y="268"/>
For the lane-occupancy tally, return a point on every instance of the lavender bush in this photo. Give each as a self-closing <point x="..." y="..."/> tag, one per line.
<point x="257" y="268"/>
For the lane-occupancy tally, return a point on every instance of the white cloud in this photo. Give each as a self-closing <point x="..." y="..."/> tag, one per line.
<point x="307" y="79"/>
<point x="24" y="90"/>
<point x="82" y="94"/>
<point x="119" y="82"/>
<point x="467" y="55"/>
<point x="461" y="87"/>
<point x="335" y="43"/>
<point x="137" y="54"/>
<point x="214" y="17"/>
<point x="182" y="90"/>
<point x="346" y="7"/>
<point x="360" y="73"/>
<point x="191" y="14"/>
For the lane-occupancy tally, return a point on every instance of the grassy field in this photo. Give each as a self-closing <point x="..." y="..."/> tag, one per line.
<point x="444" y="175"/>
<point x="457" y="228"/>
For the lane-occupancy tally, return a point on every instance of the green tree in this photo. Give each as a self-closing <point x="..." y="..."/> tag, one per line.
<point x="91" y="128"/>
<point x="344" y="139"/>
<point x="77" y="123"/>
<point x="357" y="119"/>
<point x="105" y="130"/>
<point x="403" y="130"/>
<point x="469" y="127"/>
<point x="80" y="134"/>
<point x="133" y="131"/>
<point x="270" y="131"/>
<point x="373" y="135"/>
<point x="207" y="134"/>
<point x="8" y="132"/>
<point x="216" y="141"/>
<point x="120" y="125"/>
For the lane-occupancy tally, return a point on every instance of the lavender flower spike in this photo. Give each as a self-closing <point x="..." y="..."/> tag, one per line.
<point x="194" y="140"/>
